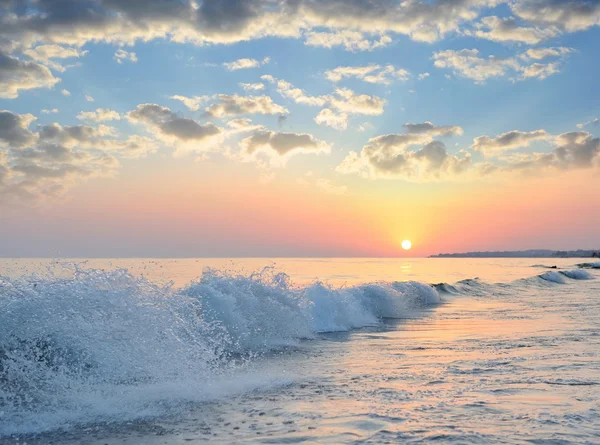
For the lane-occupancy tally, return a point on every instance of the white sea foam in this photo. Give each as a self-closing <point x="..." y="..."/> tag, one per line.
<point x="105" y="345"/>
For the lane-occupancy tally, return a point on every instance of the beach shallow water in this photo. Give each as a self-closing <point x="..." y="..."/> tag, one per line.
<point x="505" y="351"/>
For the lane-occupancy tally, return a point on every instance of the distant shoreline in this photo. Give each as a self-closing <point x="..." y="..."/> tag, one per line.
<point x="534" y="253"/>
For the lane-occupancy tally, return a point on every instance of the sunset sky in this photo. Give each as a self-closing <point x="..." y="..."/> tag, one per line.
<point x="266" y="128"/>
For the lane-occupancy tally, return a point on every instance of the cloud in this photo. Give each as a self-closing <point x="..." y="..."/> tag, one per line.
<point x="17" y="75"/>
<point x="46" y="163"/>
<point x="46" y="54"/>
<point x="570" y="16"/>
<point x="252" y="86"/>
<point x="275" y="148"/>
<point x="594" y="121"/>
<point x="89" y="98"/>
<point x="508" y="30"/>
<point x="14" y="129"/>
<point x="351" y="40"/>
<point x="235" y="105"/>
<point x="423" y="76"/>
<point x="123" y="56"/>
<point x="467" y="63"/>
<point x="50" y="111"/>
<point x="432" y="130"/>
<point x="345" y="100"/>
<point x="328" y="187"/>
<point x="287" y="90"/>
<point x="329" y="118"/>
<point x="542" y="53"/>
<point x="65" y="92"/>
<point x="175" y="130"/>
<point x="327" y="23"/>
<point x="413" y="157"/>
<point x="193" y="103"/>
<point x="242" y="64"/>
<point x="370" y="73"/>
<point x="575" y="150"/>
<point x="508" y="141"/>
<point x="100" y="115"/>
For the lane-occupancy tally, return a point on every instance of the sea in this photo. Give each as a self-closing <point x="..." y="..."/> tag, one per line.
<point x="290" y="351"/>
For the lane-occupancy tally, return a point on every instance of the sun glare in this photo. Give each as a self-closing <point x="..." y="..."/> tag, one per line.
<point x="406" y="244"/>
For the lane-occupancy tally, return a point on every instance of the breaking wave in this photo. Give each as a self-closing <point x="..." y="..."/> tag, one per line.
<point x="100" y="346"/>
<point x="103" y="346"/>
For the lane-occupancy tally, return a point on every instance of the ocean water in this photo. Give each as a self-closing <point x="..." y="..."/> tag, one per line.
<point x="325" y="351"/>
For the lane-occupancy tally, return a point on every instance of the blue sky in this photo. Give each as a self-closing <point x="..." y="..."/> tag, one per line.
<point x="530" y="112"/>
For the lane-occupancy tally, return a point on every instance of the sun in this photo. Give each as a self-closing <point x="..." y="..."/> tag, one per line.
<point x="406" y="244"/>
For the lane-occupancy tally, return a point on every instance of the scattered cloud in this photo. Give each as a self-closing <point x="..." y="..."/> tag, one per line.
<point x="274" y="148"/>
<point x="242" y="64"/>
<point x="508" y="30"/>
<point x="348" y="39"/>
<point x="252" y="86"/>
<point x="123" y="56"/>
<point x="193" y="103"/>
<point x="18" y="75"/>
<point x="569" y="16"/>
<point x="235" y="105"/>
<point x="414" y="157"/>
<point x="47" y="53"/>
<point x="594" y="121"/>
<point x="508" y="141"/>
<point x="327" y="117"/>
<point x="65" y="92"/>
<point x="89" y="98"/>
<point x="467" y="63"/>
<point x="423" y="76"/>
<point x="370" y="73"/>
<point x="433" y="130"/>
<point x="100" y="115"/>
<point x="50" y="111"/>
<point x="181" y="132"/>
<point x="543" y="53"/>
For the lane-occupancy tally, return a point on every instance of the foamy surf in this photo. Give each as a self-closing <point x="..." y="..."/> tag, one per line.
<point x="98" y="346"/>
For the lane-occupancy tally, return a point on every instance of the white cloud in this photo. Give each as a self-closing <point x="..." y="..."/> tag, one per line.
<point x="252" y="86"/>
<point x="467" y="63"/>
<point x="508" y="30"/>
<point x="50" y="111"/>
<point x="123" y="56"/>
<point x="46" y="53"/>
<point x="235" y="105"/>
<point x="349" y="39"/>
<point x="570" y="16"/>
<point x="423" y="76"/>
<point x="183" y="133"/>
<point x="433" y="130"/>
<point x="370" y="73"/>
<point x="100" y="115"/>
<point x="17" y="75"/>
<point x="275" y="148"/>
<point x="65" y="92"/>
<point x="508" y="141"/>
<point x="594" y="121"/>
<point x="542" y="53"/>
<point x="242" y="64"/>
<point x="193" y="103"/>
<point x="89" y="98"/>
<point x="339" y="121"/>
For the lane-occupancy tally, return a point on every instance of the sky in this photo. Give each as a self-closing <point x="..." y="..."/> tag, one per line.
<point x="283" y="128"/>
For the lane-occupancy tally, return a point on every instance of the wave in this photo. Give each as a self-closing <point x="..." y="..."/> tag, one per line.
<point x="595" y="265"/>
<point x="70" y="348"/>
<point x="102" y="346"/>
<point x="559" y="277"/>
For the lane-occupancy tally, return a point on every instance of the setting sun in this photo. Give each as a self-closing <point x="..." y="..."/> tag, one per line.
<point x="406" y="244"/>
